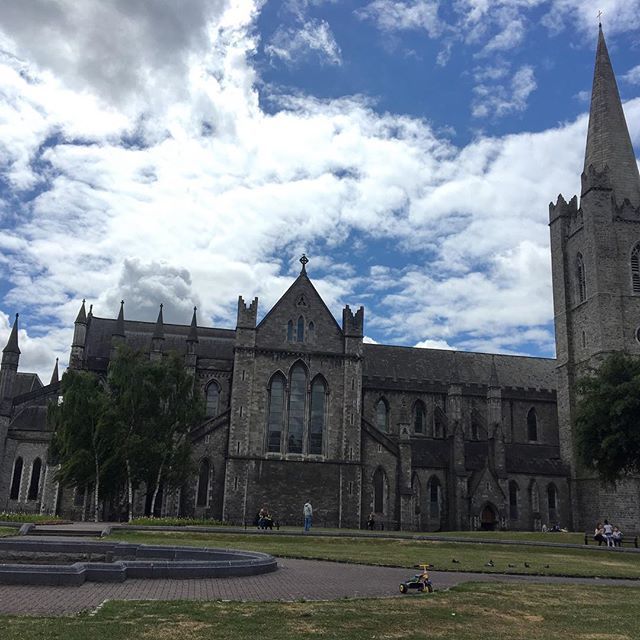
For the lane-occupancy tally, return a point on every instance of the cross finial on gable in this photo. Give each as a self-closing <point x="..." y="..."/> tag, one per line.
<point x="303" y="261"/>
<point x="600" y="14"/>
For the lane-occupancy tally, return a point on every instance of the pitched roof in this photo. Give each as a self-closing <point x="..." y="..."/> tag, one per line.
<point x="608" y="141"/>
<point x="213" y="343"/>
<point x="26" y="382"/>
<point x="436" y="365"/>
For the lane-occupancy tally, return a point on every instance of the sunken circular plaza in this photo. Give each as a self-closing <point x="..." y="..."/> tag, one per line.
<point x="73" y="562"/>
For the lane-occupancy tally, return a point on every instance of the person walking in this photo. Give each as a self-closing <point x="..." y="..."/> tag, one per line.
<point x="307" y="511"/>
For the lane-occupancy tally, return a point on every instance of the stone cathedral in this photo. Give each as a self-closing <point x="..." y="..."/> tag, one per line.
<point x="300" y="408"/>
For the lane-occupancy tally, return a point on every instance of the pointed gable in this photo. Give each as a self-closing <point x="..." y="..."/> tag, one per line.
<point x="300" y="313"/>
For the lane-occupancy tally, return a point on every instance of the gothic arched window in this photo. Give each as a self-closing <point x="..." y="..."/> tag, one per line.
<point x="300" y="332"/>
<point x="419" y="417"/>
<point x="474" y="430"/>
<point x="213" y="400"/>
<point x="532" y="425"/>
<point x="34" y="485"/>
<point x="438" y="423"/>
<point x="276" y="413"/>
<point x="552" y="497"/>
<point x="203" y="484"/>
<point x="379" y="490"/>
<point x="297" y="398"/>
<point x="382" y="415"/>
<point x="635" y="269"/>
<point x="290" y="331"/>
<point x="317" y="416"/>
<point x="311" y="332"/>
<point x="581" y="282"/>
<point x="535" y="497"/>
<point x="435" y="498"/>
<point x="16" y="480"/>
<point x="514" y="490"/>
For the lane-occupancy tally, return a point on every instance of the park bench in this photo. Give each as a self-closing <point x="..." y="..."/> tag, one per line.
<point x="625" y="542"/>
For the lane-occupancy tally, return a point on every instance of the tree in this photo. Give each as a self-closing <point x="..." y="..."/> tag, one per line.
<point x="608" y="419"/>
<point x="81" y="439"/>
<point x="133" y="384"/>
<point x="179" y="409"/>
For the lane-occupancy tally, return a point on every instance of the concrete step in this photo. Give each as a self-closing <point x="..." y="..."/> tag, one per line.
<point x="55" y="531"/>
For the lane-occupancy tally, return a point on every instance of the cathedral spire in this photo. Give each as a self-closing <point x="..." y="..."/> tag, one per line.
<point x="608" y="141"/>
<point x="54" y="376"/>
<point x="12" y="343"/>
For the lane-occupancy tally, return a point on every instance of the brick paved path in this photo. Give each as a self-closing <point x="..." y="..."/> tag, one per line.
<point x="295" y="579"/>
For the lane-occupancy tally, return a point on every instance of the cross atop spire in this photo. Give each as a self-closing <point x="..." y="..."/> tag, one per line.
<point x="304" y="261"/>
<point x="82" y="314"/>
<point x="608" y="141"/>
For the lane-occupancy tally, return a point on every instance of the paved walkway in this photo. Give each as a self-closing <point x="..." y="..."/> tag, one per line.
<point x="294" y="580"/>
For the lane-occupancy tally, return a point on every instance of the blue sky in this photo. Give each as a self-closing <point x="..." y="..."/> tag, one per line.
<point x="190" y="154"/>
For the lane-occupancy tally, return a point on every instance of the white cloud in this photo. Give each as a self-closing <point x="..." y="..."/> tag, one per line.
<point x="401" y="15"/>
<point x="500" y="100"/>
<point x="295" y="44"/>
<point x="434" y="344"/>
<point x="633" y="75"/>
<point x="212" y="197"/>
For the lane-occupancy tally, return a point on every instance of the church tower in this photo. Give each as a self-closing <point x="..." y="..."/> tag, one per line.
<point x="595" y="254"/>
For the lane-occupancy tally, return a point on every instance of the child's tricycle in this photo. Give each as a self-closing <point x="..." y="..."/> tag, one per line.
<point x="420" y="581"/>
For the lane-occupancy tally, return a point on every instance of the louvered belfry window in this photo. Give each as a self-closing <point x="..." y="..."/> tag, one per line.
<point x="635" y="269"/>
<point x="580" y="277"/>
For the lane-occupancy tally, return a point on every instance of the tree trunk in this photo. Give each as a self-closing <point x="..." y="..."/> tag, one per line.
<point x="129" y="492"/>
<point x="84" y="502"/>
<point x="156" y="489"/>
<point x="96" y="490"/>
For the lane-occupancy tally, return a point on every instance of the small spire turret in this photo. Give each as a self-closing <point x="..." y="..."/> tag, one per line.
<point x="54" y="376"/>
<point x="12" y="342"/>
<point x="193" y="330"/>
<point x="81" y="318"/>
<point x="119" y="330"/>
<point x="158" y="332"/>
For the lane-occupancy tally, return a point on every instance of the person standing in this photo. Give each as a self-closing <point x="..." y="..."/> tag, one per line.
<point x="307" y="511"/>
<point x="608" y="533"/>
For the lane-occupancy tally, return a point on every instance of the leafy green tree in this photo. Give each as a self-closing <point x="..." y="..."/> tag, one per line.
<point x="134" y="385"/>
<point x="608" y="419"/>
<point x="81" y="441"/>
<point x="180" y="408"/>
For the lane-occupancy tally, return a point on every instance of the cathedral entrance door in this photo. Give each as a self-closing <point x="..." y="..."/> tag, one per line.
<point x="488" y="518"/>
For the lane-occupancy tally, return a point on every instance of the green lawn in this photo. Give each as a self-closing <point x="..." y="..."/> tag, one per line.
<point x="472" y="611"/>
<point x="407" y="553"/>
<point x="8" y="531"/>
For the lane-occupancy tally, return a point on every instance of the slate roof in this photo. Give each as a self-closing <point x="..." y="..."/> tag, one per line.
<point x="437" y="365"/>
<point x="212" y="343"/>
<point x="26" y="382"/>
<point x="535" y="459"/>
<point x="31" y="418"/>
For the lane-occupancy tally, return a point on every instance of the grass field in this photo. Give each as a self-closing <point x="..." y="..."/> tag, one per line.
<point x="406" y="553"/>
<point x="8" y="531"/>
<point x="472" y="611"/>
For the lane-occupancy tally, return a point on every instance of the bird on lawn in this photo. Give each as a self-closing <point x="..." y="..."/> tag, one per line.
<point x="546" y="566"/>
<point x="489" y="564"/>
<point x="511" y="566"/>
<point x="526" y="564"/>
<point x="454" y="561"/>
